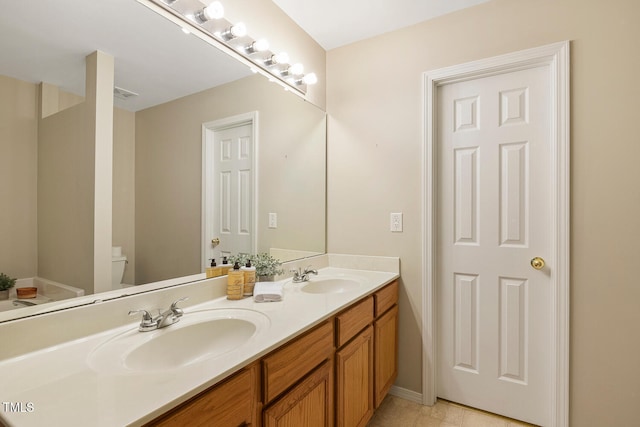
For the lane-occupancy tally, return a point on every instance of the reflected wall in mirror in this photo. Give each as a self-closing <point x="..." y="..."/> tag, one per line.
<point x="290" y="136"/>
<point x="157" y="163"/>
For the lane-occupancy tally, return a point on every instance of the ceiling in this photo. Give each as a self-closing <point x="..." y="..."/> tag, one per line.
<point x="335" y="23"/>
<point x="47" y="41"/>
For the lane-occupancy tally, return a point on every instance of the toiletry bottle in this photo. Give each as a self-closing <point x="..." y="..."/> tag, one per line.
<point x="213" y="270"/>
<point x="225" y="267"/>
<point x="235" y="283"/>
<point x="249" y="278"/>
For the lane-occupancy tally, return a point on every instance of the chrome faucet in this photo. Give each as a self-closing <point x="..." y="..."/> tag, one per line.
<point x="300" y="275"/>
<point x="164" y="319"/>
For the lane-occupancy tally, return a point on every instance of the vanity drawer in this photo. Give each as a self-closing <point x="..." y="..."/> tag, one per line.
<point x="353" y="320"/>
<point x="386" y="298"/>
<point x="286" y="366"/>
<point x="231" y="403"/>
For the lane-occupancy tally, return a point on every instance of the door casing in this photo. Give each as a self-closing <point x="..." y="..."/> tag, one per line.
<point x="556" y="57"/>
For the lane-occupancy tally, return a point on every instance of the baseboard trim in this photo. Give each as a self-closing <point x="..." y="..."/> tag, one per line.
<point x="406" y="394"/>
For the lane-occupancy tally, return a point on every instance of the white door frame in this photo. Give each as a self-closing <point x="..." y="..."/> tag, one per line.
<point x="556" y="57"/>
<point x="208" y="131"/>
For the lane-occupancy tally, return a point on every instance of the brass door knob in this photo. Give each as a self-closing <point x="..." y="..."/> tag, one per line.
<point x="537" y="263"/>
<point x="215" y="242"/>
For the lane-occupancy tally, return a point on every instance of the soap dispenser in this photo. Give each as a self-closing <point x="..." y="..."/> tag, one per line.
<point x="225" y="267"/>
<point x="235" y="283"/>
<point x="213" y="270"/>
<point x="249" y="278"/>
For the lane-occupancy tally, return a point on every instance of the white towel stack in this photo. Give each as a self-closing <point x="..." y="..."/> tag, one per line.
<point x="268" y="291"/>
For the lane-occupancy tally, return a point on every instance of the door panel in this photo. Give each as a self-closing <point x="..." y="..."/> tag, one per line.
<point x="494" y="215"/>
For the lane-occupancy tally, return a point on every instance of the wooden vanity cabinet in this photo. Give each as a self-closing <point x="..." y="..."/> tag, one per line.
<point x="367" y="356"/>
<point x="287" y="365"/>
<point x="308" y="404"/>
<point x="233" y="403"/>
<point x="337" y="373"/>
<point x="298" y="381"/>
<point x="354" y="364"/>
<point x="385" y="341"/>
<point x="354" y="381"/>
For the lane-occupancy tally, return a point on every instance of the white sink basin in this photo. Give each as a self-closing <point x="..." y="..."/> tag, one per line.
<point x="199" y="335"/>
<point x="332" y="284"/>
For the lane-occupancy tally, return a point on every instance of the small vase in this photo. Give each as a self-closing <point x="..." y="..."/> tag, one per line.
<point x="266" y="278"/>
<point x="4" y="294"/>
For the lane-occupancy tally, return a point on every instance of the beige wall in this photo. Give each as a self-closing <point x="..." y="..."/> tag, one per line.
<point x="65" y="199"/>
<point x="374" y="100"/>
<point x="264" y="19"/>
<point x="18" y="177"/>
<point x="74" y="185"/>
<point x="168" y="170"/>
<point x="124" y="138"/>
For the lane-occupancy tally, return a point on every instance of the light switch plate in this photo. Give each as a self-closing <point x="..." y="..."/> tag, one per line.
<point x="396" y="222"/>
<point x="273" y="220"/>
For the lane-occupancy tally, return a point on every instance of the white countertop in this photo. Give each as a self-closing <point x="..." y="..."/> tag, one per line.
<point x="56" y="386"/>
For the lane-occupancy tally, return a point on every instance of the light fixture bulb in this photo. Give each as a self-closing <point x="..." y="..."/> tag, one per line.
<point x="238" y="30"/>
<point x="296" y="69"/>
<point x="234" y="31"/>
<point x="278" y="58"/>
<point x="310" y="79"/>
<point x="293" y="70"/>
<point x="257" y="46"/>
<point x="281" y="58"/>
<point x="214" y="11"/>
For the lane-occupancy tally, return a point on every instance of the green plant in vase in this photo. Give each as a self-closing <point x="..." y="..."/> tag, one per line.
<point x="6" y="283"/>
<point x="267" y="267"/>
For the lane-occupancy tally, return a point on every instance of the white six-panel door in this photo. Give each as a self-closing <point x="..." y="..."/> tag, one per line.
<point x="494" y="216"/>
<point x="229" y="192"/>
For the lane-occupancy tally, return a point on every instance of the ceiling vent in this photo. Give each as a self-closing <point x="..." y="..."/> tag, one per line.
<point x="124" y="94"/>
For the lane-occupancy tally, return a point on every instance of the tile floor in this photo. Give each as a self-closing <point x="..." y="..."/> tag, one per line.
<point x="397" y="412"/>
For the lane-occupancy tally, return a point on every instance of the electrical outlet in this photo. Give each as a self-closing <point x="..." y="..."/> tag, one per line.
<point x="396" y="222"/>
<point x="273" y="220"/>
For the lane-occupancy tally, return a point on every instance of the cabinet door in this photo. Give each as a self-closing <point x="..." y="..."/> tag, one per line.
<point x="230" y="404"/>
<point x="354" y="373"/>
<point x="309" y="404"/>
<point x="386" y="353"/>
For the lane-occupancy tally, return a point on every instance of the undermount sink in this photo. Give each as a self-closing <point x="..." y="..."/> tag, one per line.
<point x="200" y="335"/>
<point x="332" y="284"/>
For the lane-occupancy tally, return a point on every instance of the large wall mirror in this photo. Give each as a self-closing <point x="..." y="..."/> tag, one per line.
<point x="176" y="95"/>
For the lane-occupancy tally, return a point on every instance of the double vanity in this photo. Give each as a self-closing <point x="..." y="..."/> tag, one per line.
<point x="326" y="353"/>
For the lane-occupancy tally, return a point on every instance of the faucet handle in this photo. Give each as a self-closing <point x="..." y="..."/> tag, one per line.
<point x="148" y="322"/>
<point x="309" y="269"/>
<point x="174" y="307"/>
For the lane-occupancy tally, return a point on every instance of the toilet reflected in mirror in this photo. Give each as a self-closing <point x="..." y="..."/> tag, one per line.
<point x="118" y="264"/>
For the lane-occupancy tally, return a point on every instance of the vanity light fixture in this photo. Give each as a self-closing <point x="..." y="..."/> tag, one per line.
<point x="206" y="21"/>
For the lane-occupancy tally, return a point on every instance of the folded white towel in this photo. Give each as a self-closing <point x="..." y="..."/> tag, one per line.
<point x="268" y="291"/>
